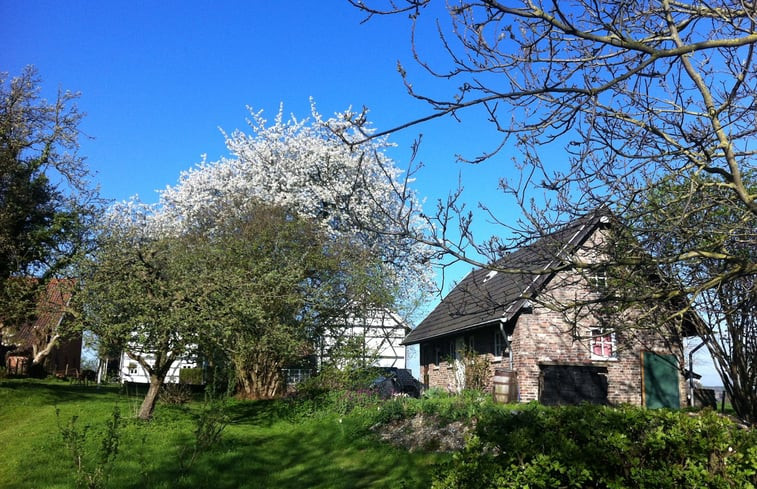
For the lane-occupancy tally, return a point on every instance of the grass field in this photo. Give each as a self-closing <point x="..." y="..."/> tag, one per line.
<point x="49" y="428"/>
<point x="259" y="448"/>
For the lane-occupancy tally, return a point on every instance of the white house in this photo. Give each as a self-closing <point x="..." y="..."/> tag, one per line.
<point x="375" y="340"/>
<point x="131" y="371"/>
<point x="372" y="340"/>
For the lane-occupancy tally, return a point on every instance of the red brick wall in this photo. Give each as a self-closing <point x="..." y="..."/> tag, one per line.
<point x="546" y="336"/>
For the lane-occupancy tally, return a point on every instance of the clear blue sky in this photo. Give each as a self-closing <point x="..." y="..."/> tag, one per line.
<point x="159" y="78"/>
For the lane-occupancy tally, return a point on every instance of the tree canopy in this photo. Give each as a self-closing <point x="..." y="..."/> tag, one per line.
<point x="356" y="192"/>
<point x="254" y="257"/>
<point x="640" y="96"/>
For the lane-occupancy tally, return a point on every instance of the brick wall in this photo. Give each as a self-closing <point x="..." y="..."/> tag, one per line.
<point x="547" y="334"/>
<point x="544" y="336"/>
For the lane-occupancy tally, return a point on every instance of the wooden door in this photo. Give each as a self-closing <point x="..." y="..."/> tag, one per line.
<point x="661" y="386"/>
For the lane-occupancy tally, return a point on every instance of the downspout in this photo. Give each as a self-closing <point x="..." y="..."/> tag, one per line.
<point x="505" y="342"/>
<point x="691" y="372"/>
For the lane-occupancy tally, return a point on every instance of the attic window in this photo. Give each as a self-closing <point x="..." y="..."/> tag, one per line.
<point x="598" y="280"/>
<point x="489" y="275"/>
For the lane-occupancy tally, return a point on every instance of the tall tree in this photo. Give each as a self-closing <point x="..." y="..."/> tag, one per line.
<point x="259" y="288"/>
<point x="46" y="203"/>
<point x="710" y="223"/>
<point x="356" y="193"/>
<point x="638" y="94"/>
<point x="275" y="282"/>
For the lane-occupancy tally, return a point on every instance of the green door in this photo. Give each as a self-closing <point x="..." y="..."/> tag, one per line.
<point x="661" y="381"/>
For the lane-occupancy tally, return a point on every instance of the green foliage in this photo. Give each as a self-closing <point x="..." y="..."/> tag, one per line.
<point x="46" y="205"/>
<point x="192" y="376"/>
<point x="92" y="470"/>
<point x="603" y="447"/>
<point x="333" y="393"/>
<point x="452" y="407"/>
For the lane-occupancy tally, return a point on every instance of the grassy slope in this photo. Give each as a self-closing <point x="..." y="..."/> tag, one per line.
<point x="258" y="448"/>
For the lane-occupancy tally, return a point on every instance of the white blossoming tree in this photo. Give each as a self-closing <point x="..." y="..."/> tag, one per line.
<point x="256" y="254"/>
<point x="355" y="191"/>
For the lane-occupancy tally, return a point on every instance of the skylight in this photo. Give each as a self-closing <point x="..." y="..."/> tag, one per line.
<point x="490" y="275"/>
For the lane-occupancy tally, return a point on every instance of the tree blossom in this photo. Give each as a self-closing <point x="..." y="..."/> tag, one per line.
<point x="354" y="190"/>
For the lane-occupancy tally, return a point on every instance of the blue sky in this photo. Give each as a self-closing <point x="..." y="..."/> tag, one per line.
<point x="158" y="79"/>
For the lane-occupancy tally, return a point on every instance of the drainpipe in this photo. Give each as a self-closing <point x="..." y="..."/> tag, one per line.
<point x="691" y="372"/>
<point x="506" y="343"/>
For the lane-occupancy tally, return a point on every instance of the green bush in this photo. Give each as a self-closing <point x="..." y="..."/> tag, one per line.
<point x="175" y="394"/>
<point x="601" y="447"/>
<point x="191" y="376"/>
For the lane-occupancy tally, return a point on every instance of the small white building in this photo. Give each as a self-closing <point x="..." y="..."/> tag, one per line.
<point x="373" y="340"/>
<point x="131" y="371"/>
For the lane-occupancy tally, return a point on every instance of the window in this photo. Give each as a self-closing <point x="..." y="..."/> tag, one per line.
<point x="498" y="343"/>
<point x="132" y="368"/>
<point x="602" y="344"/>
<point x="598" y="279"/>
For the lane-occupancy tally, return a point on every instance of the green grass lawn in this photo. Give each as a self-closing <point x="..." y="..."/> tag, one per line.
<point x="260" y="448"/>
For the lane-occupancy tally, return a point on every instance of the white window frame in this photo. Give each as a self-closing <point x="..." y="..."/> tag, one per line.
<point x="598" y="280"/>
<point x="603" y="338"/>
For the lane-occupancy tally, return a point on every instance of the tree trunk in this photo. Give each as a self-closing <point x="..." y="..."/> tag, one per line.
<point x="259" y="383"/>
<point x="148" y="404"/>
<point x="38" y="355"/>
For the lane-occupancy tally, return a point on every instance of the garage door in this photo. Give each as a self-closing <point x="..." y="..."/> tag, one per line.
<point x="568" y="384"/>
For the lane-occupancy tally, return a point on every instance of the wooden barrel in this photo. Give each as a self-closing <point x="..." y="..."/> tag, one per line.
<point x="505" y="385"/>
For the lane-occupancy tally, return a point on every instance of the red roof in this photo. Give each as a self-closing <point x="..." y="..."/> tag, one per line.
<point x="51" y="308"/>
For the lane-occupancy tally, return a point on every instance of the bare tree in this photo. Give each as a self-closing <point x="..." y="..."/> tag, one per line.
<point x="643" y="97"/>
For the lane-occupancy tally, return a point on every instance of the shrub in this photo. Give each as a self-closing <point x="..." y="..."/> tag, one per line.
<point x="175" y="394"/>
<point x="91" y="470"/>
<point x="603" y="447"/>
<point x="210" y="423"/>
<point x="191" y="376"/>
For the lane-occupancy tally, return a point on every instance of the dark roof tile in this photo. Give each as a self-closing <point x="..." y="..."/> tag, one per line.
<point x="483" y="296"/>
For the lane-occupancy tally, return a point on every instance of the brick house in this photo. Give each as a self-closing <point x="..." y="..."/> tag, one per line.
<point x="40" y="337"/>
<point x="541" y="351"/>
